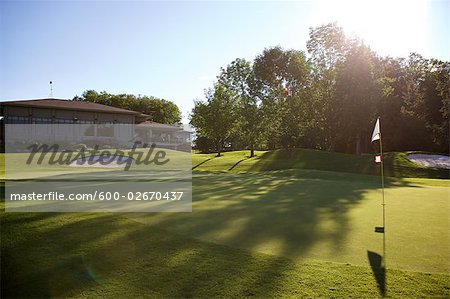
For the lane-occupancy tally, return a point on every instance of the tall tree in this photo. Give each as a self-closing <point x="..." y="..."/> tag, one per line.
<point x="239" y="78"/>
<point x="215" y="118"/>
<point x="388" y="73"/>
<point x="355" y="97"/>
<point x="284" y="87"/>
<point x="426" y="98"/>
<point x="327" y="46"/>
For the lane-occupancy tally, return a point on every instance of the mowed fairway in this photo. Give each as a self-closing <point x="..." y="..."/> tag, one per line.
<point x="299" y="232"/>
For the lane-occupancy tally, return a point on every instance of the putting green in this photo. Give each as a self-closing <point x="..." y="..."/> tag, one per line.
<point x="103" y="255"/>
<point x="319" y="215"/>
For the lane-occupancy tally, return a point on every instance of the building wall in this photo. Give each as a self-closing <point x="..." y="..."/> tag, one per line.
<point x="74" y="126"/>
<point x="16" y="114"/>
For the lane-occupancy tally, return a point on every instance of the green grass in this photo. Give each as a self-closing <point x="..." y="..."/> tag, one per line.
<point x="316" y="215"/>
<point x="396" y="164"/>
<point x="111" y="256"/>
<point x="282" y="224"/>
<point x="17" y="167"/>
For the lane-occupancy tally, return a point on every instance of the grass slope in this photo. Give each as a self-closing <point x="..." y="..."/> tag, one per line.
<point x="110" y="256"/>
<point x="396" y="164"/>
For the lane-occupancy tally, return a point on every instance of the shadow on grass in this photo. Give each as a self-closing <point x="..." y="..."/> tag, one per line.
<point x="313" y="159"/>
<point x="379" y="272"/>
<point x="43" y="255"/>
<point x="281" y="212"/>
<point x="258" y="210"/>
<point x="396" y="164"/>
<point x="111" y="257"/>
<point x="274" y="212"/>
<point x="237" y="163"/>
<point x="203" y="162"/>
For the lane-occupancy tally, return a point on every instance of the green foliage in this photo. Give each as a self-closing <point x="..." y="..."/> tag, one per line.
<point x="160" y="110"/>
<point x="216" y="117"/>
<point x="284" y="77"/>
<point x="415" y="100"/>
<point x="327" y="46"/>
<point x="355" y="99"/>
<point x="204" y="144"/>
<point x="239" y="78"/>
<point x="331" y="99"/>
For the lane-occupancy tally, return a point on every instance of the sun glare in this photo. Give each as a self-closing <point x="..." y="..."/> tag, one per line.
<point x="393" y="28"/>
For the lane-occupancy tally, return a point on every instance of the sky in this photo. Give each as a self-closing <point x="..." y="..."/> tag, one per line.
<point x="174" y="50"/>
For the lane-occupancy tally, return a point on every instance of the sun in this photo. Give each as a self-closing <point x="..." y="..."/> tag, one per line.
<point x="393" y="28"/>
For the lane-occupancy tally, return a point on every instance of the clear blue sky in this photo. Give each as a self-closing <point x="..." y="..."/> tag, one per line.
<point x="174" y="50"/>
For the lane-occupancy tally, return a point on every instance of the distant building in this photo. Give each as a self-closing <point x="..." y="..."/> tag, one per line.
<point x="96" y="121"/>
<point x="48" y="111"/>
<point x="162" y="134"/>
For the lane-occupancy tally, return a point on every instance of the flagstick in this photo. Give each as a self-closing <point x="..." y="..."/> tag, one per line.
<point x="384" y="212"/>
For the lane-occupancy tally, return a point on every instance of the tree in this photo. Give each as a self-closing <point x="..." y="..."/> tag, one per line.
<point x="329" y="101"/>
<point x="426" y="97"/>
<point x="441" y="78"/>
<point x="356" y="95"/>
<point x="204" y="144"/>
<point x="388" y="73"/>
<point x="239" y="79"/>
<point x="216" y="117"/>
<point x="327" y="46"/>
<point x="284" y="88"/>
<point x="160" y="110"/>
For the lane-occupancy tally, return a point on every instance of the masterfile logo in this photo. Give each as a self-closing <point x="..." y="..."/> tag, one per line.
<point x="82" y="167"/>
<point x="97" y="157"/>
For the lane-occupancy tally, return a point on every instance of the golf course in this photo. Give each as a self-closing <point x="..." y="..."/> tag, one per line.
<point x="225" y="149"/>
<point x="285" y="223"/>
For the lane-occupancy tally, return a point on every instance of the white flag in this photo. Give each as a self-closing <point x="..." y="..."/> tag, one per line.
<point x="376" y="131"/>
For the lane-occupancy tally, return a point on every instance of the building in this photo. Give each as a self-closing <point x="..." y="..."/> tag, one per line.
<point x="163" y="135"/>
<point x="45" y="111"/>
<point x="94" y="122"/>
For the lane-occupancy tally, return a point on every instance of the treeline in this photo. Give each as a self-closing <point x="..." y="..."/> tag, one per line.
<point x="160" y="110"/>
<point x="327" y="99"/>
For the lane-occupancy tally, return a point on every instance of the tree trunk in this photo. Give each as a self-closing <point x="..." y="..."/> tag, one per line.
<point x="252" y="151"/>
<point x="219" y="148"/>
<point x="331" y="142"/>
<point x="358" y="144"/>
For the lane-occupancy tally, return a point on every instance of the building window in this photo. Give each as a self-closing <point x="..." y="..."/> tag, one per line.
<point x="17" y="120"/>
<point x="41" y="120"/>
<point x="63" y="121"/>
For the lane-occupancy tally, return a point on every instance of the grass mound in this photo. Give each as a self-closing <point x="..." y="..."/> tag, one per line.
<point x="396" y="164"/>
